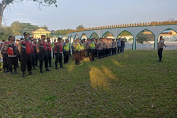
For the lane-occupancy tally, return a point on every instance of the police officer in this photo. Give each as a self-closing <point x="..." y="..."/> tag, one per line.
<point x="5" y="55"/>
<point x="92" y="50"/>
<point x="100" y="48"/>
<point x="77" y="52"/>
<point x="25" y="54"/>
<point x="12" y="55"/>
<point x="49" y="51"/>
<point x="66" y="51"/>
<point x="43" y="57"/>
<point x="58" y="53"/>
<point x="82" y="50"/>
<point x="34" y="54"/>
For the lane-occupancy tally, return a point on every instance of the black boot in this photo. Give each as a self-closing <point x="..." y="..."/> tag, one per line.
<point x="23" y="74"/>
<point x="30" y="73"/>
<point x="41" y="71"/>
<point x="61" y="66"/>
<point x="15" y="72"/>
<point x="47" y="69"/>
<point x="56" y="67"/>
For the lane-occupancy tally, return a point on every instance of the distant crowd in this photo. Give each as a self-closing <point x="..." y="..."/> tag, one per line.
<point x="33" y="53"/>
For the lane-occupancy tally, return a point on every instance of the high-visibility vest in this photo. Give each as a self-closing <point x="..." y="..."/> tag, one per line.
<point x="82" y="46"/>
<point x="78" y="47"/>
<point x="66" y="47"/>
<point x="92" y="45"/>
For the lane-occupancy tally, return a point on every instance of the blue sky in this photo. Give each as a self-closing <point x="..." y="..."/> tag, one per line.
<point x="91" y="13"/>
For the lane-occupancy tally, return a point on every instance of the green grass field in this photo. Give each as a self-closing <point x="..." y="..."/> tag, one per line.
<point x="132" y="84"/>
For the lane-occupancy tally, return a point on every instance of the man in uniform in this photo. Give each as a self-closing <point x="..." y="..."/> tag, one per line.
<point x="118" y="45"/>
<point x="77" y="52"/>
<point x="66" y="51"/>
<point x="100" y="48"/>
<point x="92" y="50"/>
<point x="43" y="57"/>
<point x="49" y="51"/>
<point x="160" y="48"/>
<point x="82" y="48"/>
<point x="12" y="55"/>
<point x="34" y="54"/>
<point x="5" y="55"/>
<point x="58" y="53"/>
<point x="25" y="54"/>
<point x="87" y="46"/>
<point x="114" y="45"/>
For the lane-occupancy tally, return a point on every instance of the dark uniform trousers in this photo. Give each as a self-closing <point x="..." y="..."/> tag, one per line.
<point x="100" y="53"/>
<point x="66" y="56"/>
<point x="12" y="61"/>
<point x="34" y="60"/>
<point x="92" y="54"/>
<point x="43" y="58"/>
<point x="82" y="55"/>
<point x="77" y="57"/>
<point x="58" y="58"/>
<point x="160" y="53"/>
<point x="26" y="60"/>
<point x="96" y="52"/>
<point x="5" y="61"/>
<point x="118" y="49"/>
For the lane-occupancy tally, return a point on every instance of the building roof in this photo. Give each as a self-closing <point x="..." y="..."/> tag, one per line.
<point x="41" y="30"/>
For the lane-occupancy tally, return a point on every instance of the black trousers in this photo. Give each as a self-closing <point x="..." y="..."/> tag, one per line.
<point x="92" y="54"/>
<point x="5" y="61"/>
<point x="43" y="58"/>
<point x="26" y="60"/>
<point x="58" y="58"/>
<point x="37" y="58"/>
<point x="34" y="59"/>
<point x="160" y="54"/>
<point x="88" y="52"/>
<point x="66" y="56"/>
<point x="77" y="57"/>
<point x="96" y="52"/>
<point x="49" y="57"/>
<point x="12" y="61"/>
<point x="100" y="52"/>
<point x="118" y="49"/>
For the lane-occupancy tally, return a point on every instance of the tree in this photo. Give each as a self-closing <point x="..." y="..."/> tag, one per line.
<point x="16" y="28"/>
<point x="142" y="38"/>
<point x="80" y="27"/>
<point x="4" y="33"/>
<point x="5" y="3"/>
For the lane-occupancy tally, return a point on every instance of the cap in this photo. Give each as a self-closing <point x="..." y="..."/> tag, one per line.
<point x="26" y="33"/>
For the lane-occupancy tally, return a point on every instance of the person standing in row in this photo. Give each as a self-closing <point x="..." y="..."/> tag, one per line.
<point x="43" y="57"/>
<point x="49" y="49"/>
<point x="114" y="45"/>
<point x="77" y="52"/>
<point x="34" y="54"/>
<point x="12" y="56"/>
<point x="5" y="55"/>
<point x="100" y="48"/>
<point x="87" y="46"/>
<point x="118" y="46"/>
<point x="92" y="50"/>
<point x="66" y="51"/>
<point x="82" y="49"/>
<point x="122" y="45"/>
<point x="25" y="54"/>
<point x="160" y="48"/>
<point x="58" y="53"/>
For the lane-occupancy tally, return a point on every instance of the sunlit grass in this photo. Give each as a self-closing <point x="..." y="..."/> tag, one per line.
<point x="132" y="84"/>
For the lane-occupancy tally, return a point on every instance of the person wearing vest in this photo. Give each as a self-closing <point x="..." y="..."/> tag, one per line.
<point x="66" y="51"/>
<point x="96" y="45"/>
<point x="34" y="53"/>
<point x="73" y="48"/>
<point x="5" y="55"/>
<point x="87" y="46"/>
<point x="100" y="48"/>
<point x="82" y="50"/>
<point x="49" y="49"/>
<point x="43" y="56"/>
<point x="26" y="54"/>
<point x="160" y="48"/>
<point x="92" y="50"/>
<point x="12" y="56"/>
<point x="53" y="50"/>
<point x="58" y="53"/>
<point x="77" y="52"/>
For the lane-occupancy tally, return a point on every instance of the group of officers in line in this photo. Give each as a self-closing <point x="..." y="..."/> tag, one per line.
<point x="29" y="51"/>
